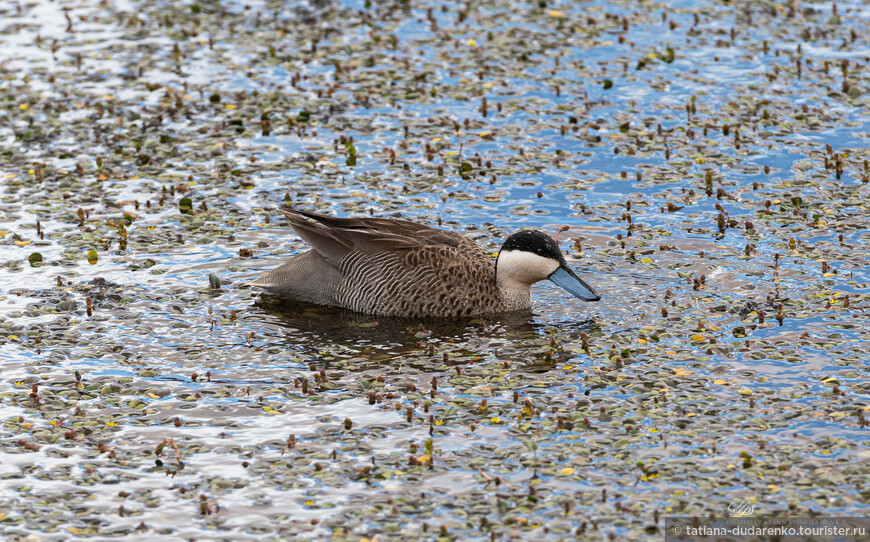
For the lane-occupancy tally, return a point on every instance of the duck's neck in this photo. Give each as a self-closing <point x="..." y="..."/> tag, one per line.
<point x="514" y="295"/>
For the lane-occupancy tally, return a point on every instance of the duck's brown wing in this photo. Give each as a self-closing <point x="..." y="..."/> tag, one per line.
<point x="336" y="238"/>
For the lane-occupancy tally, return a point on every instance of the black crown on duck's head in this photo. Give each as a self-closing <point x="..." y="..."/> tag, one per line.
<point x="536" y="242"/>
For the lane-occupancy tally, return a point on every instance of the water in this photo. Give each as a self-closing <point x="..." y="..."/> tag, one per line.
<point x="711" y="371"/>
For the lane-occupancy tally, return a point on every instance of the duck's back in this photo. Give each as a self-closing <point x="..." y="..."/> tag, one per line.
<point x="386" y="267"/>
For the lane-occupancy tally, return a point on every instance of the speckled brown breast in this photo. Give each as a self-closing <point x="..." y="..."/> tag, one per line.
<point x="440" y="281"/>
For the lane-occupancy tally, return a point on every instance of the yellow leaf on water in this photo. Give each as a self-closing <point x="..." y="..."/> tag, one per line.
<point x="556" y="13"/>
<point x="567" y="471"/>
<point x="471" y="42"/>
<point x="642" y="341"/>
<point x="682" y="372"/>
<point x="153" y="395"/>
<point x="720" y="382"/>
<point x="22" y="243"/>
<point x="744" y="391"/>
<point x="698" y="338"/>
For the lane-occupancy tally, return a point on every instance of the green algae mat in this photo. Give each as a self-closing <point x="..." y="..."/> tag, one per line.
<point x="708" y="159"/>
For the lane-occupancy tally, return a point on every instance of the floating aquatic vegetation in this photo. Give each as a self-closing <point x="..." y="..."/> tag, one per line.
<point x="710" y="165"/>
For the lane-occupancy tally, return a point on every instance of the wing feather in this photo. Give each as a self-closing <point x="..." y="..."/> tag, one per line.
<point x="335" y="238"/>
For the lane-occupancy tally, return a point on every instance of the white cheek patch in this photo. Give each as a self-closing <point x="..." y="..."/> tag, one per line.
<point x="525" y="267"/>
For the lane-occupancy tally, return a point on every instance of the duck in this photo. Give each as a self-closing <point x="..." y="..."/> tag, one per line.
<point x="399" y="268"/>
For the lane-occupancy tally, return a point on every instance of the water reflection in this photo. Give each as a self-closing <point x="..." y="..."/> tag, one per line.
<point x="320" y="323"/>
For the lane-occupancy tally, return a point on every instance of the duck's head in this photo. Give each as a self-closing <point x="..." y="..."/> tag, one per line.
<point x="529" y="256"/>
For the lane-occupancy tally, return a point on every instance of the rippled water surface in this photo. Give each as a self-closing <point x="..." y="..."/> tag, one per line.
<point x="710" y="161"/>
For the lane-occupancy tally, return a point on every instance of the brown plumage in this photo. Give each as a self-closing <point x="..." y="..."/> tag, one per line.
<point x="397" y="268"/>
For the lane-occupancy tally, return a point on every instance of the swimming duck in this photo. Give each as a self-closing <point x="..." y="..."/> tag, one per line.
<point x="393" y="267"/>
